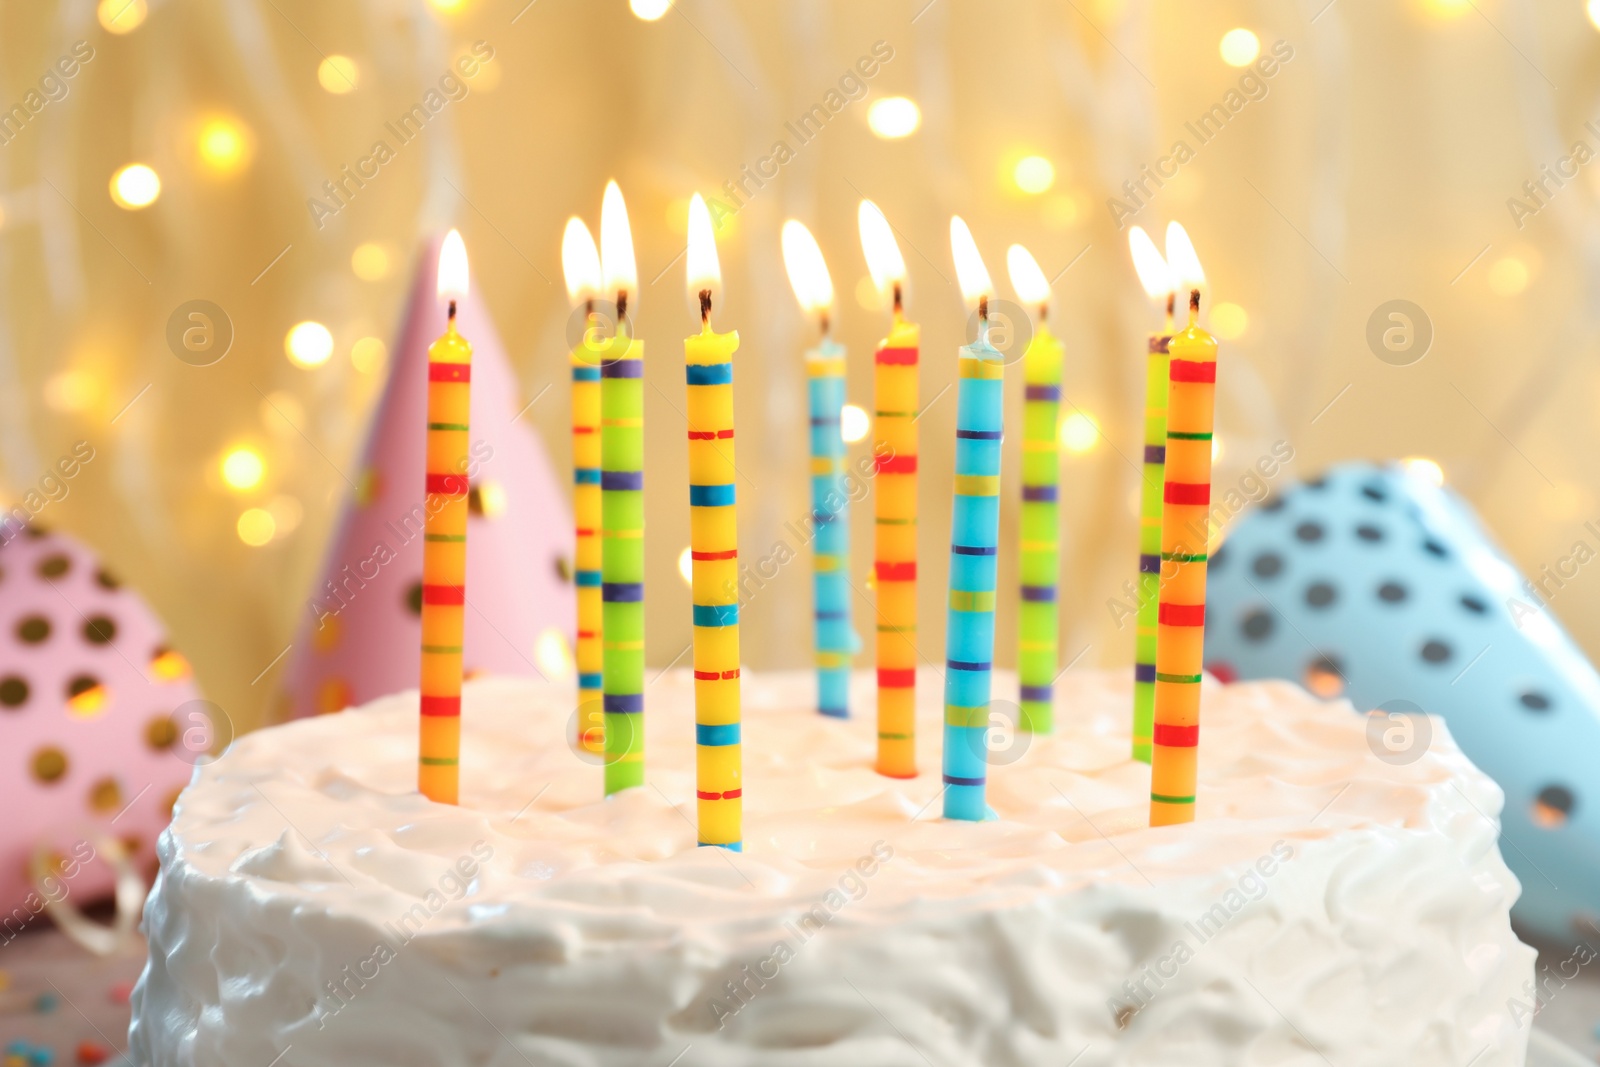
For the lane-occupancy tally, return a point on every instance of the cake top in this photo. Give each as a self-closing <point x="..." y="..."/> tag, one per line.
<point x="327" y="808"/>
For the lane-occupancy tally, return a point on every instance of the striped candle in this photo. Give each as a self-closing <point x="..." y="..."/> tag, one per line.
<point x="1185" y="520"/>
<point x="974" y="546"/>
<point x="1150" y="491"/>
<point x="894" y="447"/>
<point x="622" y="559"/>
<point x="1038" y="646"/>
<point x="586" y="515"/>
<point x="714" y="550"/>
<point x="444" y="547"/>
<point x="836" y="640"/>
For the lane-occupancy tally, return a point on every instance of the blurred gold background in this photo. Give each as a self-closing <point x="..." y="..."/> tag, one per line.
<point x="1375" y="164"/>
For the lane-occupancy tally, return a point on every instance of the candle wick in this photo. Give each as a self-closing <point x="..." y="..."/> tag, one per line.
<point x="898" y="299"/>
<point x="705" y="305"/>
<point x="1194" y="305"/>
<point x="1172" y="300"/>
<point x="983" y="308"/>
<point x="1044" y="312"/>
<point x="588" y="308"/>
<point x="822" y="320"/>
<point x="451" y="314"/>
<point x="622" y="309"/>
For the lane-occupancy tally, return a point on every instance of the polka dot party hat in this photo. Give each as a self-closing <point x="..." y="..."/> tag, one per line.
<point x="362" y="631"/>
<point x="100" y="720"/>
<point x="1375" y="584"/>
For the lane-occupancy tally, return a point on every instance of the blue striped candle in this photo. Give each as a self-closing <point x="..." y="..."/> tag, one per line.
<point x="974" y="544"/>
<point x="836" y="640"/>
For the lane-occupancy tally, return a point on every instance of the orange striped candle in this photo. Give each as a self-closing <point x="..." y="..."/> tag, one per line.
<point x="1185" y="521"/>
<point x="580" y="262"/>
<point x="444" y="549"/>
<point x="894" y="500"/>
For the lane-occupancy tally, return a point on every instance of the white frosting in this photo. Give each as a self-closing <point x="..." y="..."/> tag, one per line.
<point x="593" y="932"/>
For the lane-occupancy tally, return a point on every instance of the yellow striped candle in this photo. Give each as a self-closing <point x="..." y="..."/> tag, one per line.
<point x="896" y="382"/>
<point x="714" y="552"/>
<point x="1184" y="533"/>
<point x="444" y="548"/>
<point x="580" y="262"/>
<point x="1156" y="278"/>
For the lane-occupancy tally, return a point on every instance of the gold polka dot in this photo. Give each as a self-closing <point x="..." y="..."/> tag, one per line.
<point x="86" y="696"/>
<point x="160" y="733"/>
<point x="105" y="796"/>
<point x="325" y="638"/>
<point x="333" y="695"/>
<point x="49" y="764"/>
<point x="169" y="666"/>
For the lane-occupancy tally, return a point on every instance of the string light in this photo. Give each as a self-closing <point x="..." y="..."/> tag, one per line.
<point x="224" y="146"/>
<point x="243" y="469"/>
<point x="1240" y="47"/>
<point x="308" y="344"/>
<point x="135" y="186"/>
<point x="256" y="527"/>
<point x="1034" y="174"/>
<point x="338" y="75"/>
<point x="894" y="117"/>
<point x="853" y="423"/>
<point x="121" y="16"/>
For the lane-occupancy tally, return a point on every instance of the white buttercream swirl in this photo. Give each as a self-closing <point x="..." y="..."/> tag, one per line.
<point x="1326" y="905"/>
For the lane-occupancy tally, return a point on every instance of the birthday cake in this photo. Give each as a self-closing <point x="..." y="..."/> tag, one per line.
<point x="1327" y="905"/>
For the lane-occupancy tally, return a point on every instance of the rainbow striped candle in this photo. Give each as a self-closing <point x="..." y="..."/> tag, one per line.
<point x="1038" y="639"/>
<point x="894" y="449"/>
<point x="836" y="639"/>
<point x="444" y="537"/>
<point x="1184" y="534"/>
<point x="714" y="552"/>
<point x="621" y="513"/>
<point x="1157" y="281"/>
<point x="581" y="264"/>
<point x="974" y="547"/>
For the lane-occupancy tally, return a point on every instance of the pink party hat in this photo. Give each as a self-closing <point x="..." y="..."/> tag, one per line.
<point x="100" y="722"/>
<point x="362" y="632"/>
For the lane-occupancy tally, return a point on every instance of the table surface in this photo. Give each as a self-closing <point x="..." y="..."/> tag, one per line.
<point x="45" y="961"/>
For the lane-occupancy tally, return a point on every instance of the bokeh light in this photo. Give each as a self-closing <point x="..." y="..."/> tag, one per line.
<point x="135" y="186"/>
<point x="854" y="423"/>
<point x="1229" y="321"/>
<point x="121" y="16"/>
<point x="308" y="344"/>
<point x="367" y="355"/>
<point x="1034" y="174"/>
<point x="72" y="391"/>
<point x="1447" y="9"/>
<point x="1508" y="276"/>
<point x="686" y="566"/>
<point x="243" y="469"/>
<point x="894" y="117"/>
<point x="447" y="7"/>
<point x="224" y="146"/>
<point x="1240" y="47"/>
<point x="338" y="74"/>
<point x="256" y="527"/>
<point x="1594" y="13"/>
<point x="286" y="512"/>
<point x="553" y="655"/>
<point x="1079" y="433"/>
<point x="1424" y="468"/>
<point x="371" y="261"/>
<point x="650" y="10"/>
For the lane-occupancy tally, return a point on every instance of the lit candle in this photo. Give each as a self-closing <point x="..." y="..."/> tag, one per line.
<point x="894" y="501"/>
<point x="1039" y="563"/>
<point x="1157" y="282"/>
<point x="1185" y="525"/>
<point x="580" y="261"/>
<point x="621" y="510"/>
<point x="714" y="550"/>
<point x="974" y="545"/>
<point x="836" y="640"/>
<point x="444" y="537"/>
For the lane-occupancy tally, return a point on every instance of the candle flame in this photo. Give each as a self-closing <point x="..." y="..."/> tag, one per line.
<point x="621" y="274"/>
<point x="884" y="262"/>
<point x="1182" y="260"/>
<point x="971" y="274"/>
<point x="808" y="274"/>
<point x="704" y="270"/>
<point x="453" y="267"/>
<point x="580" y="262"/>
<point x="1026" y="277"/>
<point x="1154" y="274"/>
